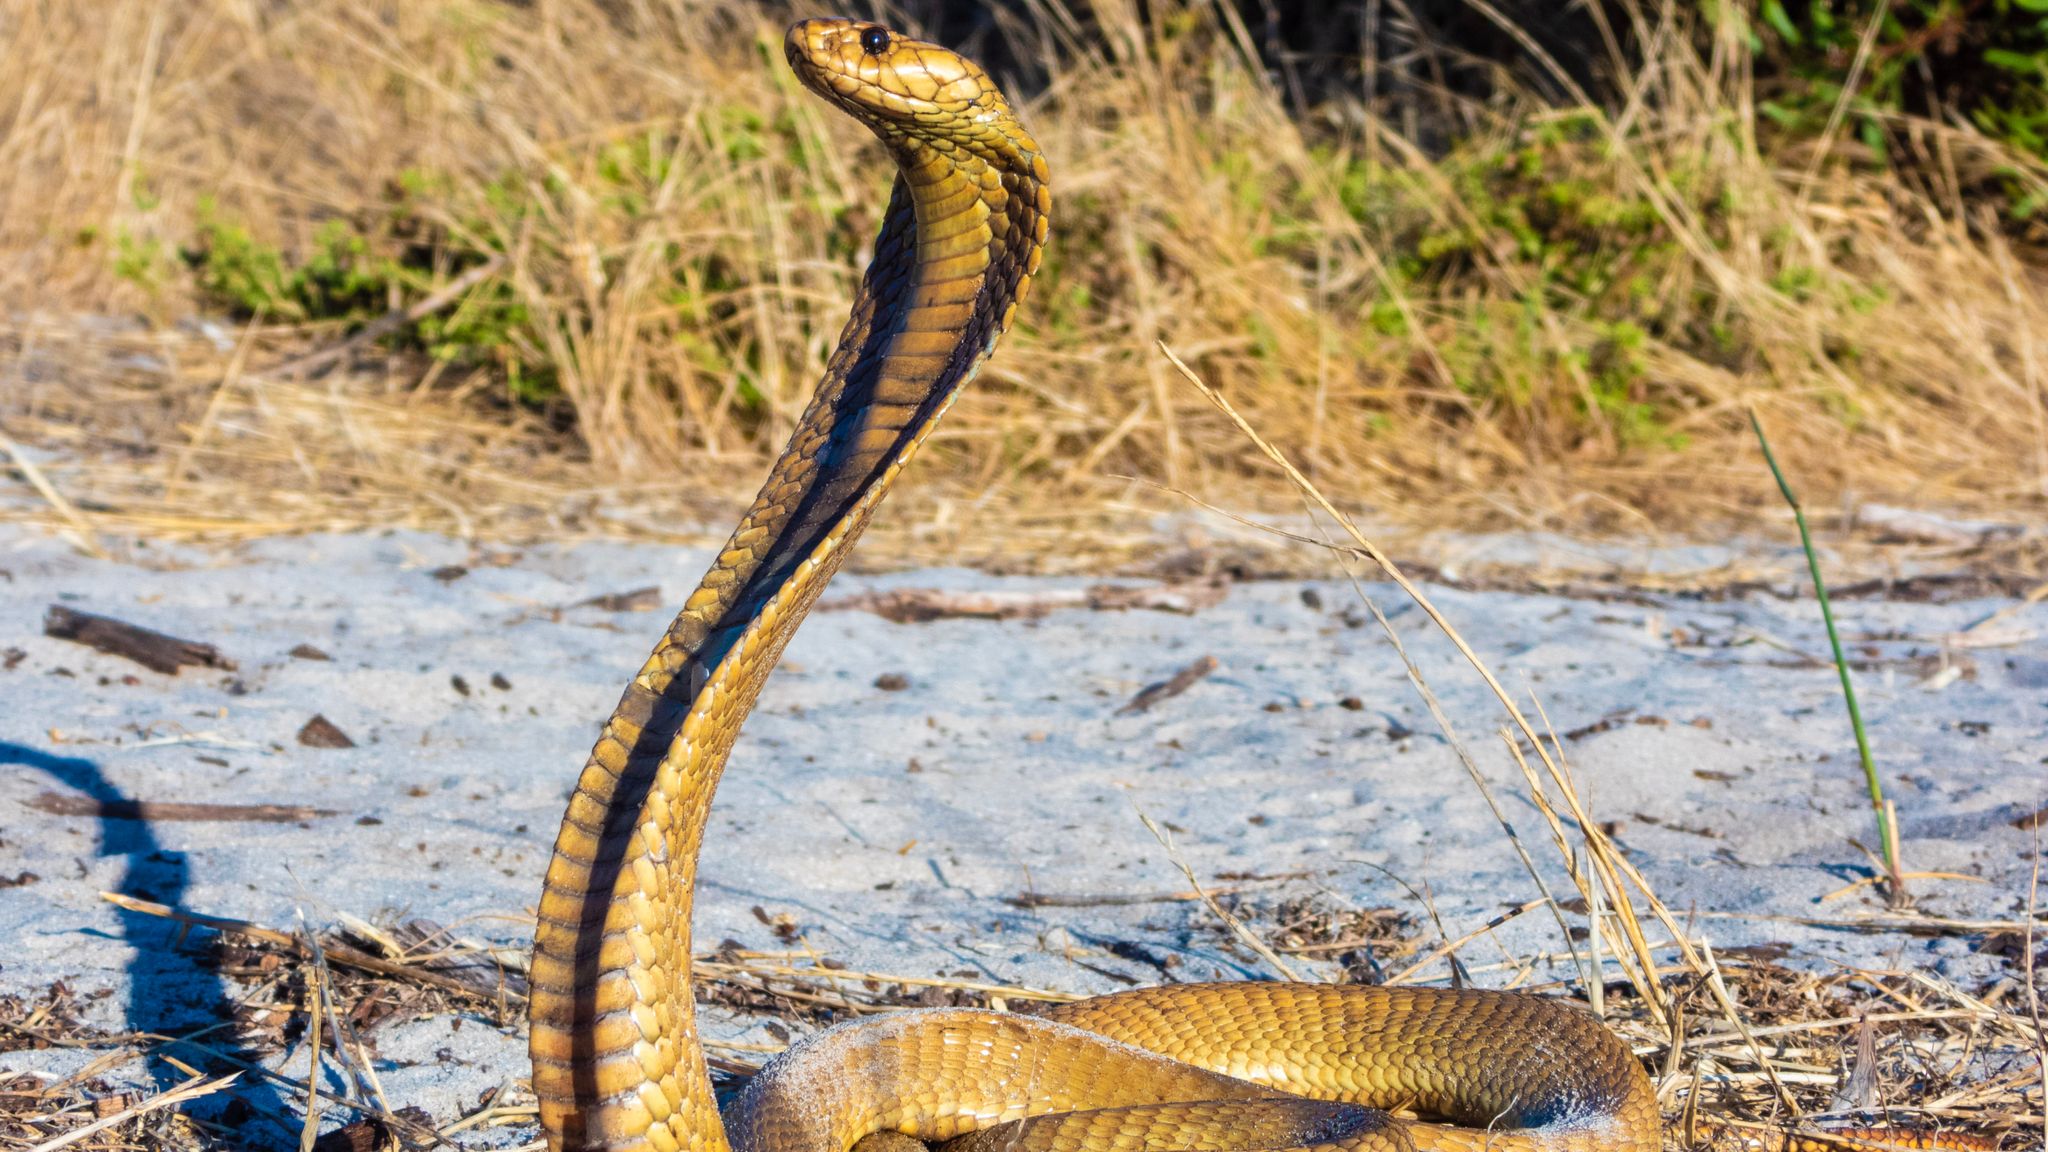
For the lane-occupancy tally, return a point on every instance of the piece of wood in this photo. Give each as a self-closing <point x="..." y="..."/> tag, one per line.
<point x="923" y="605"/>
<point x="1182" y="680"/>
<point x="638" y="600"/>
<point x="59" y="804"/>
<point x="1181" y="599"/>
<point x="151" y="649"/>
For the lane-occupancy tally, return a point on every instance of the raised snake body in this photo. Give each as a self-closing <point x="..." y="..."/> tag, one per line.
<point x="617" y="1060"/>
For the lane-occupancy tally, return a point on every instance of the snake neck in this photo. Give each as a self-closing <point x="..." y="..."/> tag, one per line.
<point x="617" y="1060"/>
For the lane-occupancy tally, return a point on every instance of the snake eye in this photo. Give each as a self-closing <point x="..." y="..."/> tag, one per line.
<point x="874" y="41"/>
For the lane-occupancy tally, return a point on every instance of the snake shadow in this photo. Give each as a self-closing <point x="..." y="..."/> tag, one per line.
<point x="170" y="991"/>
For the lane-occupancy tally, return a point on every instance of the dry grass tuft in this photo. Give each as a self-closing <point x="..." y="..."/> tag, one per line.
<point x="1557" y="323"/>
<point x="1741" y="1045"/>
<point x="1755" y="1054"/>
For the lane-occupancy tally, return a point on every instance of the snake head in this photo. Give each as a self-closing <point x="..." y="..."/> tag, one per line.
<point x="911" y="93"/>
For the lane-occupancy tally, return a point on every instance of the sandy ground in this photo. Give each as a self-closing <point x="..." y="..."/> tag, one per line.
<point x="890" y="824"/>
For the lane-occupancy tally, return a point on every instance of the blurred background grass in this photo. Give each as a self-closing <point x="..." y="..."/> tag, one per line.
<point x="1476" y="264"/>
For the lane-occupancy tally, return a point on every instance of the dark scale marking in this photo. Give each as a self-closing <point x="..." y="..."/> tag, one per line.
<point x="842" y="444"/>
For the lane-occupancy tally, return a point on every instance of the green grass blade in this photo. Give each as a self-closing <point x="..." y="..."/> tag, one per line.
<point x="1887" y="835"/>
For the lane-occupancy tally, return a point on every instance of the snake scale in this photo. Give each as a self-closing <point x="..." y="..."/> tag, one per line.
<point x="617" y="1062"/>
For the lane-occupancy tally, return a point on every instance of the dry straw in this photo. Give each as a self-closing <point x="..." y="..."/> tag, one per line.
<point x="679" y="229"/>
<point x="1611" y="889"/>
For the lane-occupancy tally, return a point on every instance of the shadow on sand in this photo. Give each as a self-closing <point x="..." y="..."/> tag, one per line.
<point x="171" y="992"/>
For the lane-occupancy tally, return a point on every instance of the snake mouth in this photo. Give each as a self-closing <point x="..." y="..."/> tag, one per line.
<point x="882" y="76"/>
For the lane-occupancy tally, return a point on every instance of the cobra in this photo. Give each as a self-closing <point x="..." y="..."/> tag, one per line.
<point x="617" y="1059"/>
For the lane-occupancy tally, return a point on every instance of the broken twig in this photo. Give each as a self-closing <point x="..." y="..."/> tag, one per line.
<point x="153" y="650"/>
<point x="1182" y="680"/>
<point x="58" y="804"/>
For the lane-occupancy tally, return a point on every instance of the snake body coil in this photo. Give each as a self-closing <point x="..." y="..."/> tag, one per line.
<point x="617" y="1060"/>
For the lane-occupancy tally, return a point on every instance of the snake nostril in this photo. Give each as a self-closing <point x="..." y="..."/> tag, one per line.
<point x="874" y="41"/>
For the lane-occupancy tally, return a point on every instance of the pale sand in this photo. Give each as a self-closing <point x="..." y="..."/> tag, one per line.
<point x="1742" y="802"/>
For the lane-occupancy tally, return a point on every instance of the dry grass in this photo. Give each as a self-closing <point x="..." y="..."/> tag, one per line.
<point x="1557" y="324"/>
<point x="1776" y="1052"/>
<point x="1740" y="1044"/>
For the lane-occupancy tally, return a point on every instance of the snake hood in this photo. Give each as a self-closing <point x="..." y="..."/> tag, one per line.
<point x="908" y="92"/>
<point x="617" y="1062"/>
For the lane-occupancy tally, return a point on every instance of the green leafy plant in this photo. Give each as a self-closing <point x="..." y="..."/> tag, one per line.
<point x="1988" y="61"/>
<point x="349" y="274"/>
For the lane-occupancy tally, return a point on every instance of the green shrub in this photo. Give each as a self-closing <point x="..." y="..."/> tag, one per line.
<point x="1988" y="62"/>
<point x="349" y="274"/>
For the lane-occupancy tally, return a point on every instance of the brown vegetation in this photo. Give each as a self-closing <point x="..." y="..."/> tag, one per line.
<point x="1559" y="321"/>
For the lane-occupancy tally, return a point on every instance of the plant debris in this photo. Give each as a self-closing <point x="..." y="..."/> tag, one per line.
<point x="153" y="650"/>
<point x="924" y="605"/>
<point x="1180" y="682"/>
<point x="320" y="732"/>
<point x="59" y="804"/>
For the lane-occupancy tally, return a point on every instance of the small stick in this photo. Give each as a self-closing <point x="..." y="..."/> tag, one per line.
<point x="1236" y="926"/>
<point x="1596" y="981"/>
<point x="58" y="804"/>
<point x="1459" y="972"/>
<point x="1443" y="721"/>
<point x="151" y="649"/>
<point x="1884" y="922"/>
<point x="1365" y="546"/>
<point x="87" y="538"/>
<point x="1182" y="680"/>
<point x="408" y="1127"/>
<point x="310" y="1131"/>
<point x="230" y="376"/>
<point x="1450" y="947"/>
<point x="1719" y="989"/>
<point x="2034" y="989"/>
<point x="494" y="1112"/>
<point x="1805" y="1026"/>
<point x="191" y="1089"/>
<point x="1674" y="1056"/>
<point x="1587" y="875"/>
<point x="345" y="1046"/>
<point x="1603" y="854"/>
<point x="1864" y="43"/>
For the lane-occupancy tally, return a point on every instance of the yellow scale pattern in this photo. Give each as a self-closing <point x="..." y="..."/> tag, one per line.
<point x="1207" y="1068"/>
<point x="617" y="1064"/>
